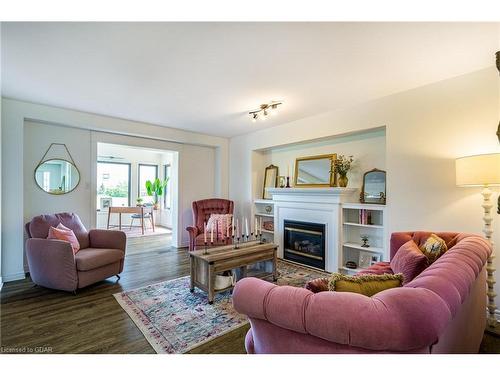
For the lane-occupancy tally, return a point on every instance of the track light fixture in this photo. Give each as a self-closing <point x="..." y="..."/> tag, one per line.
<point x="264" y="110"/>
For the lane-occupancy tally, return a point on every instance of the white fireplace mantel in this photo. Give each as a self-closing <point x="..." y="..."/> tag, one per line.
<point x="314" y="205"/>
<point x="312" y="195"/>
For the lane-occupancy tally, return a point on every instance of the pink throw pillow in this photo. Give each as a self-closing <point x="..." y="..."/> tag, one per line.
<point x="409" y="261"/>
<point x="64" y="235"/>
<point x="219" y="222"/>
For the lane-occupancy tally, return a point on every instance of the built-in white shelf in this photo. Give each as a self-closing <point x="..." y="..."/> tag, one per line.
<point x="267" y="231"/>
<point x="354" y="227"/>
<point x="261" y="208"/>
<point x="364" y="225"/>
<point x="370" y="249"/>
<point x="263" y="214"/>
<point x="351" y="270"/>
<point x="263" y="201"/>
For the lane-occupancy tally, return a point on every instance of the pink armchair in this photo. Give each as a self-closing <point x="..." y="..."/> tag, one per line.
<point x="201" y="213"/>
<point x="442" y="310"/>
<point x="52" y="263"/>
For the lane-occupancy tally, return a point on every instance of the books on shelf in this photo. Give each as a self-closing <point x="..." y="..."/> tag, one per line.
<point x="365" y="217"/>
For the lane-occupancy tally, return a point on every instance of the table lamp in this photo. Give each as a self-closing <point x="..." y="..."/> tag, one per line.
<point x="483" y="171"/>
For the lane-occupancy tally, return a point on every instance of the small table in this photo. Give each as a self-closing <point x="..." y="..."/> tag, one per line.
<point x="141" y="210"/>
<point x="205" y="265"/>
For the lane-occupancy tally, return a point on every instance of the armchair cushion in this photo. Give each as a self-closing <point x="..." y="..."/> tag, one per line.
<point x="92" y="258"/>
<point x="39" y="226"/>
<point x="67" y="235"/>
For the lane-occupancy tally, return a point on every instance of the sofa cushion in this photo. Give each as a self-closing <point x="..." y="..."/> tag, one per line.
<point x="368" y="285"/>
<point x="409" y="261"/>
<point x="317" y="285"/>
<point x="433" y="248"/>
<point x="90" y="258"/>
<point x="378" y="268"/>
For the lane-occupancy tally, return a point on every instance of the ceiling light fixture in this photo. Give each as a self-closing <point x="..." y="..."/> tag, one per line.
<point x="264" y="110"/>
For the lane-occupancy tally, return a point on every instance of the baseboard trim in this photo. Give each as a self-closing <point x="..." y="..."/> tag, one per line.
<point x="181" y="245"/>
<point x="14" y="277"/>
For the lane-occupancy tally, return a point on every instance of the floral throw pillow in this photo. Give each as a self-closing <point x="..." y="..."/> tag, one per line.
<point x="433" y="248"/>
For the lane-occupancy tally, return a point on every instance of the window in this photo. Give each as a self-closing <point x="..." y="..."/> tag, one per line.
<point x="146" y="172"/>
<point x="113" y="184"/>
<point x="167" y="194"/>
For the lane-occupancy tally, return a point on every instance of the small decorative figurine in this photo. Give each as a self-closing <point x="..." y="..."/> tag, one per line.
<point x="365" y="241"/>
<point x="350" y="264"/>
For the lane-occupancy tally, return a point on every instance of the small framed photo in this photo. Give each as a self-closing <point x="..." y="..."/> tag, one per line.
<point x="365" y="259"/>
<point x="375" y="259"/>
<point x="281" y="181"/>
<point x="106" y="203"/>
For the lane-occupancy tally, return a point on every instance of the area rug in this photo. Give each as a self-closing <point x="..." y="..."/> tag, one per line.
<point x="174" y="320"/>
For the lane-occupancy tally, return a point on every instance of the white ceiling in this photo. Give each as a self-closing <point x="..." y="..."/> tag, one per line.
<point x="205" y="77"/>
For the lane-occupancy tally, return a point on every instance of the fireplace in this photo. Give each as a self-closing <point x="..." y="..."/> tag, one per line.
<point x="304" y="243"/>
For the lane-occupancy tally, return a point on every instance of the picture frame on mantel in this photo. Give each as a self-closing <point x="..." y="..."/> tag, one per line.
<point x="271" y="175"/>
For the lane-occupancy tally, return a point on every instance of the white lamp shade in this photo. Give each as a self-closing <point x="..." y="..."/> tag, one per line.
<point x="478" y="170"/>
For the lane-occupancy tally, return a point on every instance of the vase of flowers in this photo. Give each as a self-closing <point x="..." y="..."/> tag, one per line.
<point x="342" y="166"/>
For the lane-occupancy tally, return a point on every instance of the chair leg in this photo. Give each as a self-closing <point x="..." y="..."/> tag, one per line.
<point x="118" y="277"/>
<point x="74" y="292"/>
<point x="131" y="222"/>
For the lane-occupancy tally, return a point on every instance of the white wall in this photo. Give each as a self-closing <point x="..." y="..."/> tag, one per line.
<point x="203" y="179"/>
<point x="37" y="138"/>
<point x="426" y="129"/>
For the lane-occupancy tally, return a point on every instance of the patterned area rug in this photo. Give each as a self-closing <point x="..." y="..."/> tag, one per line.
<point x="174" y="320"/>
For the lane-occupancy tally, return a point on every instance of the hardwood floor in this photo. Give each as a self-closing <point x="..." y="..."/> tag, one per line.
<point x="92" y="321"/>
<point x="42" y="320"/>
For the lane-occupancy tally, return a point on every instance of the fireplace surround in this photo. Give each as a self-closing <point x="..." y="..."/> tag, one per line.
<point x="312" y="205"/>
<point x="304" y="243"/>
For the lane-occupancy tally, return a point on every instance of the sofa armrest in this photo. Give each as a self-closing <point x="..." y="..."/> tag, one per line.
<point x="107" y="239"/>
<point x="393" y="320"/>
<point x="52" y="263"/>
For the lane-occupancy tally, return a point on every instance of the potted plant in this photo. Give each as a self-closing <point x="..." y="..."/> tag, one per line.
<point x="156" y="189"/>
<point x="342" y="166"/>
<point x="139" y="201"/>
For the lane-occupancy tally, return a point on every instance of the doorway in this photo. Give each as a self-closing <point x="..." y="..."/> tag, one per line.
<point x="126" y="198"/>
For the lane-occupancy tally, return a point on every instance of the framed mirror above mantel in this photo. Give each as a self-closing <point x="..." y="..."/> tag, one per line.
<point x="315" y="171"/>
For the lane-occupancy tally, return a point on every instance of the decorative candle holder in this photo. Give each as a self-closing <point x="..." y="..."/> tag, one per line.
<point x="237" y="243"/>
<point x="260" y="238"/>
<point x="287" y="181"/>
<point x="205" y="250"/>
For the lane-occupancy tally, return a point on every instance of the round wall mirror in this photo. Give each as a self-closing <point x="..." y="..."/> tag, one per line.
<point x="57" y="176"/>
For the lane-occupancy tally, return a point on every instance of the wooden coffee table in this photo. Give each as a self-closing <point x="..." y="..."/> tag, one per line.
<point x="205" y="265"/>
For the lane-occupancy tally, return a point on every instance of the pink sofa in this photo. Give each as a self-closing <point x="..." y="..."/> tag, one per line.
<point x="52" y="263"/>
<point x="202" y="210"/>
<point x="442" y="310"/>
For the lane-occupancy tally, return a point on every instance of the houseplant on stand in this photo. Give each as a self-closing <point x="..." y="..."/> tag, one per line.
<point x="342" y="166"/>
<point x="156" y="189"/>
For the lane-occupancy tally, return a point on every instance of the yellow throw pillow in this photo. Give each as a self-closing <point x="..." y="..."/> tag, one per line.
<point x="433" y="248"/>
<point x="367" y="285"/>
